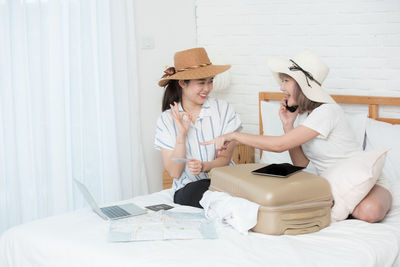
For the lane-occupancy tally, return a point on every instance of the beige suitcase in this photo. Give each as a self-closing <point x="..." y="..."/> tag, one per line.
<point x="298" y="204"/>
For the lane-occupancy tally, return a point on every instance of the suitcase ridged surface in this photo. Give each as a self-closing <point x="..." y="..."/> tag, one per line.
<point x="298" y="204"/>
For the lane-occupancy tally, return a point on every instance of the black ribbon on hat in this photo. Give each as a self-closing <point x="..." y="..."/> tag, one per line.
<point x="308" y="75"/>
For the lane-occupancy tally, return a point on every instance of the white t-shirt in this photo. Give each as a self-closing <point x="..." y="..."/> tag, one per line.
<point x="335" y="141"/>
<point x="216" y="118"/>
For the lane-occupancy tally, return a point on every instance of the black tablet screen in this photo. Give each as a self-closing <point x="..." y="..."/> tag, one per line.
<point x="280" y="170"/>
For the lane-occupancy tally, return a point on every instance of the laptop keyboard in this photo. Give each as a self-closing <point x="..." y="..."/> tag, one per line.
<point x="114" y="212"/>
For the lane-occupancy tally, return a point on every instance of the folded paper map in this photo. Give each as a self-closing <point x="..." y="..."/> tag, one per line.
<point x="162" y="225"/>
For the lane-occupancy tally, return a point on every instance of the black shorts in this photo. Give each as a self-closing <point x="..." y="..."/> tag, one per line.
<point x="191" y="194"/>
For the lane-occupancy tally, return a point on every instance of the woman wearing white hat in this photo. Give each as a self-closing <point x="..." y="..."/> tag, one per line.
<point x="190" y="116"/>
<point x="323" y="135"/>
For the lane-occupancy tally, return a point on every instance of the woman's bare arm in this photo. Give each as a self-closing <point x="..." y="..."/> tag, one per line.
<point x="174" y="169"/>
<point x="291" y="140"/>
<point x="223" y="158"/>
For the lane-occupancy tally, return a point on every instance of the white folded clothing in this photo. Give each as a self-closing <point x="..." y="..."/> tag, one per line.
<point x="240" y="213"/>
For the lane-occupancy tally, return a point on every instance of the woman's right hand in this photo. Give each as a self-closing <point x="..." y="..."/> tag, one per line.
<point x="195" y="166"/>
<point x="221" y="142"/>
<point x="287" y="117"/>
<point x="182" y="119"/>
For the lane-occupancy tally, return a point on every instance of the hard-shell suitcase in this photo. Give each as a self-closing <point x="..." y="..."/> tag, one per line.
<point x="298" y="204"/>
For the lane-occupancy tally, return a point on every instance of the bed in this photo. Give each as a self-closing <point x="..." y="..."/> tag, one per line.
<point x="79" y="238"/>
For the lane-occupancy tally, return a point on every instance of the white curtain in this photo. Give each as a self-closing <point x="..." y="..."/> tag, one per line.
<point x="68" y="106"/>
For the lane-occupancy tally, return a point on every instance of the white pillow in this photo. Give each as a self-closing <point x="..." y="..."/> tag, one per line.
<point x="358" y="122"/>
<point x="272" y="125"/>
<point x="385" y="135"/>
<point x="351" y="180"/>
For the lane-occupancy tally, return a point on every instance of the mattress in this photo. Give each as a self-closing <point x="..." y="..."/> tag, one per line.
<point x="80" y="239"/>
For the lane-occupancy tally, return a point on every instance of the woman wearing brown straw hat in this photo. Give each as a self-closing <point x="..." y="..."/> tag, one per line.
<point x="189" y="117"/>
<point x="323" y="136"/>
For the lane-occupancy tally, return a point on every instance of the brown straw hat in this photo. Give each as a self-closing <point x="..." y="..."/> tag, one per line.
<point x="191" y="64"/>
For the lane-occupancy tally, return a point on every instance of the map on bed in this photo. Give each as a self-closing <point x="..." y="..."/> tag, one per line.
<point x="162" y="225"/>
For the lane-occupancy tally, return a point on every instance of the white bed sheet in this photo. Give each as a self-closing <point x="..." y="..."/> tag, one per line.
<point x="80" y="239"/>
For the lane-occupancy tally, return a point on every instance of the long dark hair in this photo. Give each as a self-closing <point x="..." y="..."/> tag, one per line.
<point x="173" y="93"/>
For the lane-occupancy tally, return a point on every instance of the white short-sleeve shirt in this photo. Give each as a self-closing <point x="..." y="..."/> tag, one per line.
<point x="216" y="118"/>
<point x="335" y="141"/>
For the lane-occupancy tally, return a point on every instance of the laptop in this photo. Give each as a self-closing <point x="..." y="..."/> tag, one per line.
<point x="110" y="212"/>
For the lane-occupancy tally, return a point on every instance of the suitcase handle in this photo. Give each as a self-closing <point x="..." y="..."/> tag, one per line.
<point x="292" y="231"/>
<point x="303" y="215"/>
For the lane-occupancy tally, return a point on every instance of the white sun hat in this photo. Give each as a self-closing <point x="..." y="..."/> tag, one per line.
<point x="308" y="70"/>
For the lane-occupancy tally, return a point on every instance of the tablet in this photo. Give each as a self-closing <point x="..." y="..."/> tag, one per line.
<point x="278" y="170"/>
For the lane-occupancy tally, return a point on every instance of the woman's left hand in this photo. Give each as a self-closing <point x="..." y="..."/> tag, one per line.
<point x="182" y="119"/>
<point x="195" y="166"/>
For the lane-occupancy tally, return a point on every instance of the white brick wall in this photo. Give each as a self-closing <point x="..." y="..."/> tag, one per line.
<point x="358" y="39"/>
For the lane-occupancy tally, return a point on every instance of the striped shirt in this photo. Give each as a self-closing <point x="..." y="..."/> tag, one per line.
<point x="216" y="118"/>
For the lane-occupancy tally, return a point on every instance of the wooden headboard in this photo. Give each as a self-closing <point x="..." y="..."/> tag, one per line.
<point x="372" y="101"/>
